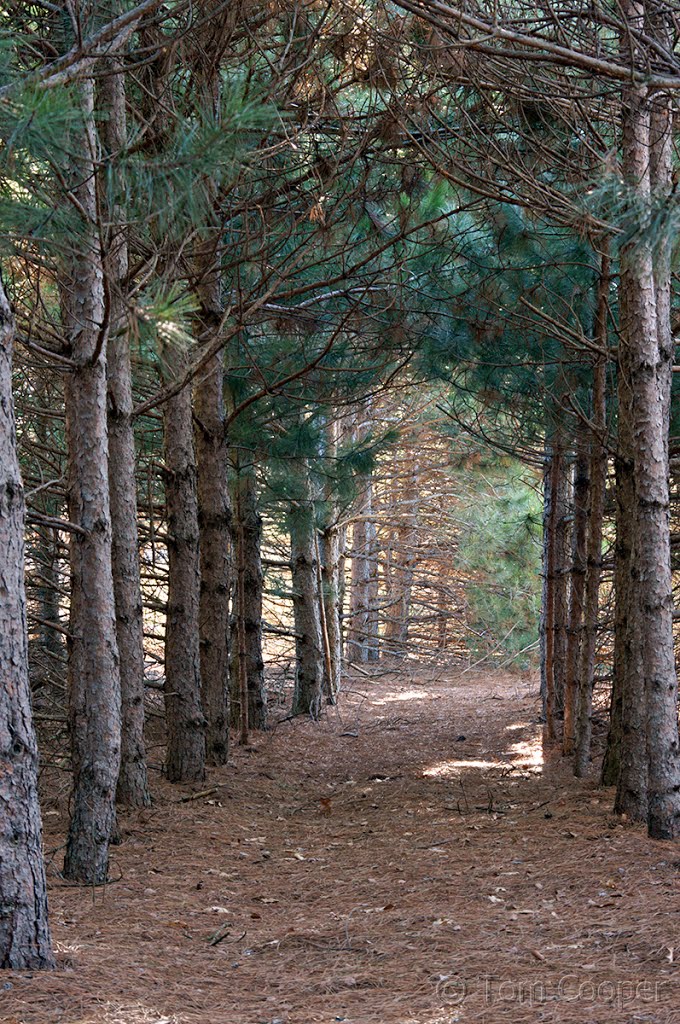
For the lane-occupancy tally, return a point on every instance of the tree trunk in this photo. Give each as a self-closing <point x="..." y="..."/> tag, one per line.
<point x="661" y="686"/>
<point x="545" y="632"/>
<point x="578" y="579"/>
<point x="402" y="560"/>
<point x="330" y="580"/>
<point x="372" y="592"/>
<point x="214" y="519"/>
<point x="550" y="517"/>
<point x="93" y="669"/>
<point x="611" y="764"/>
<point x="561" y="520"/>
<point x="329" y="552"/>
<point x="133" y="787"/>
<point x="309" y="659"/>
<point x="214" y="515"/>
<point x="598" y="485"/>
<point x="247" y="659"/>
<point x="647" y="336"/>
<point x="184" y="715"/>
<point x="626" y="744"/>
<point x="362" y="643"/>
<point x="357" y="630"/>
<point x="24" y="932"/>
<point x="611" y="760"/>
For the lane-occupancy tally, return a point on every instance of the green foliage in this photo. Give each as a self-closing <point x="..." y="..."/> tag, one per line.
<point x="172" y="188"/>
<point x="34" y="127"/>
<point x="636" y="219"/>
<point x="501" y="549"/>
<point x="522" y="293"/>
<point x="162" y="318"/>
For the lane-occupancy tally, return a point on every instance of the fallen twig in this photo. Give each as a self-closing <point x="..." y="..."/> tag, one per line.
<point x="197" y="796"/>
<point x="221" y="934"/>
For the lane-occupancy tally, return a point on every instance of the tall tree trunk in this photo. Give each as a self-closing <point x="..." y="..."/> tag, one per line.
<point x="309" y="659"/>
<point x="373" y="590"/>
<point x="402" y="561"/>
<point x="663" y="742"/>
<point x="247" y="662"/>
<point x="562" y="559"/>
<point x="330" y="550"/>
<point x="578" y="579"/>
<point x="545" y="632"/>
<point x="214" y="519"/>
<point x="362" y="642"/>
<point x="647" y="336"/>
<point x="598" y="484"/>
<point x="357" y="629"/>
<point x="329" y="546"/>
<point x="214" y="515"/>
<point x="93" y="669"/>
<point x="184" y="715"/>
<point x="24" y="932"/>
<point x="626" y="744"/>
<point x="611" y="763"/>
<point x="133" y="787"/>
<point x="550" y="517"/>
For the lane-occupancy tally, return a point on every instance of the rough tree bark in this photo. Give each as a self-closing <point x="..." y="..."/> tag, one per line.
<point x="372" y="590"/>
<point x="93" y="670"/>
<point x="611" y="763"/>
<point x="24" y="932"/>
<point x="597" y="473"/>
<point x="550" y="514"/>
<point x="133" y="787"/>
<point x="214" y="506"/>
<point x="247" y="661"/>
<point x="578" y="578"/>
<point x="362" y="642"/>
<point x="357" y="645"/>
<point x="402" y="559"/>
<point x="561" y="565"/>
<point x="362" y="635"/>
<point x="329" y="544"/>
<point x="329" y="547"/>
<point x="214" y="520"/>
<point x="647" y="336"/>
<point x="545" y="619"/>
<point x="309" y="657"/>
<point x="626" y="756"/>
<point x="185" y="760"/>
<point x="661" y="686"/>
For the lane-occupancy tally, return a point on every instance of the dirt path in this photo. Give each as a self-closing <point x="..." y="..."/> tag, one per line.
<point x="407" y="860"/>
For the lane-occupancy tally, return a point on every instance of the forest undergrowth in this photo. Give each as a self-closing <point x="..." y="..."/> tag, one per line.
<point x="417" y="856"/>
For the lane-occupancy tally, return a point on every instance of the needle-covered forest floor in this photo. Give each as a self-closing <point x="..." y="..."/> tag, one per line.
<point x="414" y="857"/>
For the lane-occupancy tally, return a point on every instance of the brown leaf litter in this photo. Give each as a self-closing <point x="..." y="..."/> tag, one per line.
<point x="417" y="857"/>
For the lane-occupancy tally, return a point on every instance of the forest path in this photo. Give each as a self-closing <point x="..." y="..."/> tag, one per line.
<point x="375" y="867"/>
